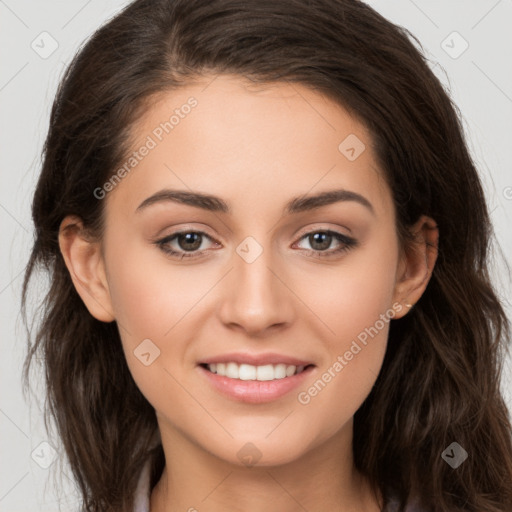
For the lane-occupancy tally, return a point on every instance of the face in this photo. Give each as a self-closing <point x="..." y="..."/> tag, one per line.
<point x="259" y="273"/>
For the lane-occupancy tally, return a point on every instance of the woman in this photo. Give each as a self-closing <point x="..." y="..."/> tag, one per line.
<point x="268" y="289"/>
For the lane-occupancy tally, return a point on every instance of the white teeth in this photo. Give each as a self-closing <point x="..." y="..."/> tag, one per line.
<point x="246" y="372"/>
<point x="232" y="370"/>
<point x="265" y="372"/>
<point x="250" y="372"/>
<point x="279" y="371"/>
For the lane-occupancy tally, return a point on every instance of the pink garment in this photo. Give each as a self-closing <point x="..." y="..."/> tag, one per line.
<point x="143" y="491"/>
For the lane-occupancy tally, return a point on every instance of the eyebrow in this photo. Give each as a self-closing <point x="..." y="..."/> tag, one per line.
<point x="216" y="204"/>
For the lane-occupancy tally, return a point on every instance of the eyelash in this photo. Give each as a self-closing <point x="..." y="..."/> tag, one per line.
<point x="346" y="242"/>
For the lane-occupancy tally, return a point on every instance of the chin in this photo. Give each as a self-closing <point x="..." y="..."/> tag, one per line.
<point x="260" y="452"/>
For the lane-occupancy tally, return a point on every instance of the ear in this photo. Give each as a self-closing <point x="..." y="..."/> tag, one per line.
<point x="84" y="260"/>
<point x="416" y="264"/>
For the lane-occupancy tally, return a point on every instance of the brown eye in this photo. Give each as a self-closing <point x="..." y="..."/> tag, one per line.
<point x="321" y="240"/>
<point x="189" y="241"/>
<point x="183" y="244"/>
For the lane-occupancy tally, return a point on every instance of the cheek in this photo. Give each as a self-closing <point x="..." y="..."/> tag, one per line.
<point x="355" y="305"/>
<point x="149" y="293"/>
<point x="352" y="296"/>
<point x="153" y="299"/>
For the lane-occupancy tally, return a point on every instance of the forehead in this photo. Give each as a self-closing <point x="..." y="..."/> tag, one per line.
<point x="253" y="144"/>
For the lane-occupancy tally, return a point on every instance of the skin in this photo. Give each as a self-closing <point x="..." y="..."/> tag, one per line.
<point x="256" y="148"/>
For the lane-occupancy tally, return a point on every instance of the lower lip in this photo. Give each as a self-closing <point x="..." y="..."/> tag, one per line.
<point x="255" y="391"/>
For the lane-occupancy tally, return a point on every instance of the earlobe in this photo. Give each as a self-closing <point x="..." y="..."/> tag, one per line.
<point x="85" y="264"/>
<point x="417" y="263"/>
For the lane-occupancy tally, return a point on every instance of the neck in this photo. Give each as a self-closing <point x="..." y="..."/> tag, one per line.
<point x="322" y="478"/>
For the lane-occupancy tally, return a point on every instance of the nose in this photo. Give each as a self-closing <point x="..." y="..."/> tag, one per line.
<point x="256" y="296"/>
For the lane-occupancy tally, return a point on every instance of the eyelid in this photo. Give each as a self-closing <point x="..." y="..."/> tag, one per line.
<point x="314" y="228"/>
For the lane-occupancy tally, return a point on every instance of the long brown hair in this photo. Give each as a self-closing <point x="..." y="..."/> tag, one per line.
<point x="440" y="381"/>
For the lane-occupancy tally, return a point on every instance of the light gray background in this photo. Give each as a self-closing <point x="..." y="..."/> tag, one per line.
<point x="479" y="80"/>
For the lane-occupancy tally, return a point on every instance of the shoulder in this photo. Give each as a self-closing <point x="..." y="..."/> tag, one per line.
<point x="411" y="506"/>
<point x="143" y="490"/>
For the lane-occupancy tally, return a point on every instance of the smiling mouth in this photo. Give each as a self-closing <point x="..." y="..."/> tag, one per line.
<point x="247" y="372"/>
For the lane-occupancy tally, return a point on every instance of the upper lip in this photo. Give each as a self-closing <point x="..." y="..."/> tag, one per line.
<point x="256" y="359"/>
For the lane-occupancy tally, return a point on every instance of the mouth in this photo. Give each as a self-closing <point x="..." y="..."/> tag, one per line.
<point x="246" y="372"/>
<point x="254" y="384"/>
